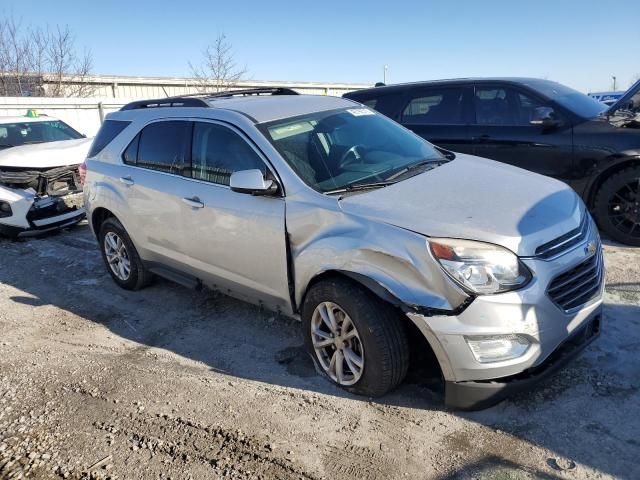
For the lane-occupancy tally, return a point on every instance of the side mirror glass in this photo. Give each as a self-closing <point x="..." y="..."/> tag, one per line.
<point x="252" y="182"/>
<point x="545" y="117"/>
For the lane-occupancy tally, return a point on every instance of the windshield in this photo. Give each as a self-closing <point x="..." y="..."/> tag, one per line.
<point x="26" y="133"/>
<point x="579" y="103"/>
<point x="339" y="149"/>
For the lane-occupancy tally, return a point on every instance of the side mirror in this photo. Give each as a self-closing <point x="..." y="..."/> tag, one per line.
<point x="545" y="117"/>
<point x="252" y="182"/>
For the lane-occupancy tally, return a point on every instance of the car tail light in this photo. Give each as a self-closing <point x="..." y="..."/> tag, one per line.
<point x="82" y="169"/>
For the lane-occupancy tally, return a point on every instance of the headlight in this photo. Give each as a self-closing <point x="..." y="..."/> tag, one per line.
<point x="5" y="209"/>
<point x="481" y="268"/>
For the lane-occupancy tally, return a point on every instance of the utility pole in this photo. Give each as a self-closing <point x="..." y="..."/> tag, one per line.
<point x="614" y="83"/>
<point x="384" y="76"/>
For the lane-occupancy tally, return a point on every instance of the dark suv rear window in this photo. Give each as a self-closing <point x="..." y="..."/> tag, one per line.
<point x="388" y="104"/>
<point x="109" y="130"/>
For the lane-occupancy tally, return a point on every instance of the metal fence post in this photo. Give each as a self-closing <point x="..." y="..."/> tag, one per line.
<point x="101" y="112"/>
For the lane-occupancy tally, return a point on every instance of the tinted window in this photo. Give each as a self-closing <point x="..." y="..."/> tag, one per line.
<point x="571" y="99"/>
<point x="371" y="103"/>
<point x="164" y="146"/>
<point x="217" y="152"/>
<point x="388" y="103"/>
<point x="130" y="155"/>
<point x="504" y="106"/>
<point x="435" y="106"/>
<point x="108" y="131"/>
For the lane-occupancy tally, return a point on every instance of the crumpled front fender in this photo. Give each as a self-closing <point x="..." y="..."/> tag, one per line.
<point x="377" y="254"/>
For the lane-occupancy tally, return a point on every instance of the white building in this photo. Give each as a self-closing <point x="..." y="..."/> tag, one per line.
<point x="109" y="93"/>
<point x="104" y="86"/>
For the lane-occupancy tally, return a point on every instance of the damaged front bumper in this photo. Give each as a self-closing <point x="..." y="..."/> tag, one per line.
<point x="30" y="213"/>
<point x="529" y="335"/>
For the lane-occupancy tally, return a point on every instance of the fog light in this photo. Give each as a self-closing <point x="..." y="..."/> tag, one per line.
<point x="5" y="210"/>
<point x="497" y="348"/>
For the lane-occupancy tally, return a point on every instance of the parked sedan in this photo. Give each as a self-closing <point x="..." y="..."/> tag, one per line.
<point x="535" y="124"/>
<point x="40" y="186"/>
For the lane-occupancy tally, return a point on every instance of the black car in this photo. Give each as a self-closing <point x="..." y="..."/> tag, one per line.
<point x="539" y="125"/>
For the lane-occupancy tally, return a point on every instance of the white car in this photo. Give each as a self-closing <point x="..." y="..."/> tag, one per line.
<point x="40" y="184"/>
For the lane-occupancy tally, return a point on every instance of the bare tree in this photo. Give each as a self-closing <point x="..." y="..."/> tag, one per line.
<point x="15" y="59"/>
<point x="218" y="70"/>
<point x="38" y="62"/>
<point x="67" y="71"/>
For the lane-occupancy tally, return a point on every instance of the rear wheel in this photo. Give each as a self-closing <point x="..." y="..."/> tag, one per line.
<point x="121" y="258"/>
<point x="354" y="338"/>
<point x="617" y="206"/>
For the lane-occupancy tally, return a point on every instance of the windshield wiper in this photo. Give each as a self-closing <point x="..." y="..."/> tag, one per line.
<point x="6" y="145"/>
<point x="356" y="187"/>
<point x="416" y="166"/>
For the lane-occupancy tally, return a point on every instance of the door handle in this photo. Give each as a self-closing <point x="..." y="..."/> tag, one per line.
<point x="193" y="202"/>
<point x="127" y="180"/>
<point x="482" y="138"/>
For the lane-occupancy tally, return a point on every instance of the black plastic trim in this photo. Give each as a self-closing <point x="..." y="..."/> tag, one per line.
<point x="175" y="276"/>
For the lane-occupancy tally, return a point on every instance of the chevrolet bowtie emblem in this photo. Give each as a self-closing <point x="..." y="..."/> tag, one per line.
<point x="591" y="248"/>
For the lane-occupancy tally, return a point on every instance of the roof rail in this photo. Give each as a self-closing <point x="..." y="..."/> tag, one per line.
<point x="247" y="92"/>
<point x="166" y="102"/>
<point x="199" y="99"/>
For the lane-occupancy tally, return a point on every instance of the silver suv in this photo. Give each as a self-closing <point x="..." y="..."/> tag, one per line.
<point x="324" y="210"/>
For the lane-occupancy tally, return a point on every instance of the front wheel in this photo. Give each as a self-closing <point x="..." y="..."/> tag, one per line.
<point x="617" y="206"/>
<point x="354" y="338"/>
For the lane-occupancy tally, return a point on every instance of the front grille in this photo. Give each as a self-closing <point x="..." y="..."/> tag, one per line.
<point x="577" y="286"/>
<point x="566" y="241"/>
<point x="48" y="207"/>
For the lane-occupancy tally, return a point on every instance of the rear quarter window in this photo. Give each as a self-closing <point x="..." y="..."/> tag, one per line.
<point x="388" y="104"/>
<point x="109" y="130"/>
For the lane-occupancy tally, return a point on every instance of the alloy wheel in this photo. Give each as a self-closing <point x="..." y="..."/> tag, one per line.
<point x="624" y="208"/>
<point x="117" y="256"/>
<point x="337" y="344"/>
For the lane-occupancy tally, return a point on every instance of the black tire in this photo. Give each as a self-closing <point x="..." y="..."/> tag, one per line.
<point x="380" y="330"/>
<point x="139" y="277"/>
<point x="617" y="206"/>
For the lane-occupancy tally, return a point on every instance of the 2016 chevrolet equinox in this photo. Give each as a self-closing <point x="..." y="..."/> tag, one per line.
<point x="325" y="210"/>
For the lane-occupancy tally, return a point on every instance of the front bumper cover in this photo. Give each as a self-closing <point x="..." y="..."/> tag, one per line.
<point x="529" y="312"/>
<point x="32" y="214"/>
<point x="476" y="395"/>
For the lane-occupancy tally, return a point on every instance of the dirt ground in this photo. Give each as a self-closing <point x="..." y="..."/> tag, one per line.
<point x="97" y="382"/>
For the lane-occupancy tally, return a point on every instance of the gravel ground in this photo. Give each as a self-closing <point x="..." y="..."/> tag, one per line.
<point x="97" y="382"/>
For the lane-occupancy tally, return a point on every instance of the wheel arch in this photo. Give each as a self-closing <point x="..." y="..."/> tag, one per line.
<point x="367" y="282"/>
<point x="98" y="216"/>
<point x="619" y="165"/>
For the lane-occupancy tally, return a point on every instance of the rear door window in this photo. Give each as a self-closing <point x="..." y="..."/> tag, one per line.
<point x="436" y="106"/>
<point x="164" y="146"/>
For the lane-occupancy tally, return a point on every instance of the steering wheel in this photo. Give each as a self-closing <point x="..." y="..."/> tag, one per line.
<point x="355" y="152"/>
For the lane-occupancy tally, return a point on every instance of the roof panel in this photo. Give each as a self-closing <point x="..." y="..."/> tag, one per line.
<point x="268" y="108"/>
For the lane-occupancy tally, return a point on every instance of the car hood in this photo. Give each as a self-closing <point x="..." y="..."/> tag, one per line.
<point x="46" y="155"/>
<point x="629" y="101"/>
<point x="477" y="199"/>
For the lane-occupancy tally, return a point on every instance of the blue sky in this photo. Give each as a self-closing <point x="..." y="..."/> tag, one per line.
<point x="579" y="43"/>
